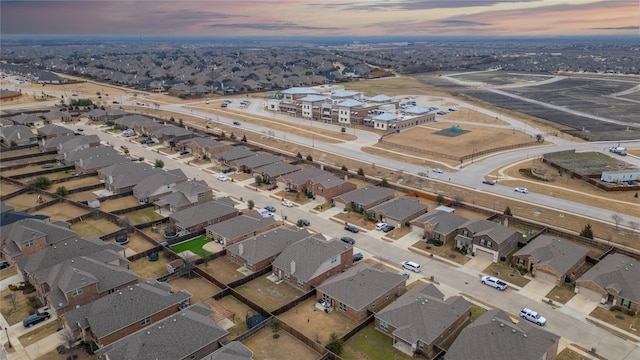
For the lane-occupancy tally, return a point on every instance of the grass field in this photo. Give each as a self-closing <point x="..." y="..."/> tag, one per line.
<point x="371" y="344"/>
<point x="194" y="245"/>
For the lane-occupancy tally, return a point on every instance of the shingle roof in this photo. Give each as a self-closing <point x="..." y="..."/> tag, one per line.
<point x="422" y="317"/>
<point x="242" y="225"/>
<point x="131" y="305"/>
<point x="495" y="336"/>
<point x="367" y="195"/>
<point x="276" y="169"/>
<point x="74" y="142"/>
<point x="51" y="129"/>
<point x="257" y="160"/>
<point x="90" y="152"/>
<point x="498" y="233"/>
<point x="16" y="132"/>
<point x="27" y="229"/>
<point x="150" y="184"/>
<point x="309" y="255"/>
<point x="236" y="152"/>
<point x="200" y="213"/>
<point x="301" y="177"/>
<point x="268" y="244"/>
<point x="442" y="222"/>
<point x="171" y="131"/>
<point x="175" y="337"/>
<point x="361" y="285"/>
<point x="555" y="253"/>
<point x="400" y="207"/>
<point x="192" y="187"/>
<point x="234" y="350"/>
<point x="619" y="272"/>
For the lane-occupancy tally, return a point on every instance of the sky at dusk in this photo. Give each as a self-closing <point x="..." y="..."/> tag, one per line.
<point x="321" y="17"/>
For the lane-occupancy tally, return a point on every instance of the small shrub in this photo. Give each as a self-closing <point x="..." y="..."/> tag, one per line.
<point x="629" y="312"/>
<point x="615" y="308"/>
<point x="503" y="258"/>
<point x="344" y="168"/>
<point x="42" y="182"/>
<point x="360" y="172"/>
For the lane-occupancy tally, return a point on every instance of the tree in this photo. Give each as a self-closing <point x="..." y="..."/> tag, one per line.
<point x="309" y="158"/>
<point x="344" y="168"/>
<point x="440" y="199"/>
<point x="42" y="182"/>
<point x="232" y="136"/>
<point x="275" y="327"/>
<point x="335" y="345"/>
<point x="62" y="191"/>
<point x="11" y="298"/>
<point x="360" y="172"/>
<point x="507" y="211"/>
<point x="67" y="336"/>
<point x="222" y="135"/>
<point x="13" y="143"/>
<point x="587" y="232"/>
<point x="384" y="183"/>
<point x="250" y="204"/>
<point x="633" y="225"/>
<point x="159" y="164"/>
<point x="299" y="156"/>
<point x="181" y="122"/>
<point x="258" y="178"/>
<point x="244" y="138"/>
<point x="617" y="219"/>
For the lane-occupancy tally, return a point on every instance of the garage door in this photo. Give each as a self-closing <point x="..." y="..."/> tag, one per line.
<point x="590" y="294"/>
<point x="417" y="230"/>
<point x="546" y="277"/>
<point x="485" y="255"/>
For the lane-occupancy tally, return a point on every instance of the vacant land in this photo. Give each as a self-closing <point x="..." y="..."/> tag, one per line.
<point x="62" y="211"/>
<point x="265" y="347"/>
<point x="92" y="227"/>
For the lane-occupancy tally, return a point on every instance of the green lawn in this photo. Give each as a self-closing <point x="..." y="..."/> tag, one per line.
<point x="372" y="345"/>
<point x="194" y="245"/>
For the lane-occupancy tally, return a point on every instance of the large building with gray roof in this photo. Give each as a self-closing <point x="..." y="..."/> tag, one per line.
<point x="136" y="306"/>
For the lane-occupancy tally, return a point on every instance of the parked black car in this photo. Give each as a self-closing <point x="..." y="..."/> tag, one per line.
<point x="4" y="265"/>
<point x="31" y="320"/>
<point x="357" y="257"/>
<point x="352" y="228"/>
<point x="388" y="228"/>
<point x="348" y="240"/>
<point x="270" y="208"/>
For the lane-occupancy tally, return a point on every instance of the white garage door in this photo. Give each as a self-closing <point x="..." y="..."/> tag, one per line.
<point x="546" y="277"/>
<point x="590" y="294"/>
<point x="485" y="255"/>
<point x="417" y="230"/>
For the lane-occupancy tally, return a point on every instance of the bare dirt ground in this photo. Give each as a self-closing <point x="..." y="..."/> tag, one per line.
<point x="269" y="294"/>
<point x="317" y="325"/>
<point x="77" y="183"/>
<point x="223" y="270"/>
<point x="94" y="227"/>
<point x="8" y="188"/>
<point x="150" y="270"/>
<point x="198" y="287"/>
<point x="265" y="347"/>
<point x="29" y="160"/>
<point x="470" y="115"/>
<point x="119" y="203"/>
<point x="238" y="312"/>
<point x="62" y="211"/>
<point x="136" y="244"/>
<point x="25" y="201"/>
<point x="14" y="153"/>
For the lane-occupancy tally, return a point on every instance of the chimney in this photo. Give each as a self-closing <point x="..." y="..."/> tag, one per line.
<point x="293" y="267"/>
<point x="240" y="249"/>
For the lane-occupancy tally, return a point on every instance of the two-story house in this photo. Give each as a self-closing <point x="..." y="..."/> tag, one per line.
<point x="198" y="217"/>
<point x="153" y="188"/>
<point x="240" y="228"/>
<point x="364" y="198"/>
<point x="487" y="239"/>
<point x="186" y="194"/>
<point x="28" y="236"/>
<point x="437" y="225"/>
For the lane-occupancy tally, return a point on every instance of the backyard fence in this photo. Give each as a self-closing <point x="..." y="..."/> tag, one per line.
<point x="16" y="148"/>
<point x="250" y="277"/>
<point x="144" y="254"/>
<point x="286" y="307"/>
<point x="42" y="173"/>
<point x="132" y="209"/>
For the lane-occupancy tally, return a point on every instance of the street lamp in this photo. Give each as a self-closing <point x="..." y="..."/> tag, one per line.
<point x="6" y="330"/>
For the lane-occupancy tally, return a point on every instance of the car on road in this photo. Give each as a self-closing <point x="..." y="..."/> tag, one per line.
<point x="388" y="228"/>
<point x="221" y="178"/>
<point x="438" y="171"/>
<point x="4" y="265"/>
<point x="207" y="102"/>
<point x="521" y="190"/>
<point x="147" y="142"/>
<point x="287" y="203"/>
<point x="348" y="240"/>
<point x="236" y="123"/>
<point x="115" y="102"/>
<point x="185" y="152"/>
<point x="533" y="316"/>
<point x="80" y="129"/>
<point x="380" y="225"/>
<point x="488" y="182"/>
<point x="494" y="282"/>
<point x="404" y="273"/>
<point x="124" y="147"/>
<point x="351" y="228"/>
<point x="305" y="222"/>
<point x="226" y="170"/>
<point x="31" y="320"/>
<point x="270" y="208"/>
<point x="357" y="257"/>
<point x="410" y="265"/>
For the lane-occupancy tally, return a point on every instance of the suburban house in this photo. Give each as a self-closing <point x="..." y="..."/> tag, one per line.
<point x="198" y="217"/>
<point x="361" y="290"/>
<point x="259" y="251"/>
<point x="271" y="172"/>
<point x="138" y="121"/>
<point x="551" y="259"/>
<point x="437" y="225"/>
<point x="364" y="198"/>
<point x="613" y="280"/>
<point x="186" y="194"/>
<point x="51" y="131"/>
<point x="325" y="188"/>
<point x="421" y="320"/>
<point x="91" y="163"/>
<point x="201" y="147"/>
<point x="299" y="180"/>
<point x="247" y="164"/>
<point x="240" y="228"/>
<point x="234" y="350"/>
<point x="71" y="144"/>
<point x="103" y="115"/>
<point x="487" y="239"/>
<point x="137" y="306"/>
<point x="52" y="116"/>
<point x="153" y="188"/>
<point x="85" y="151"/>
<point x="398" y="211"/>
<point x="18" y="134"/>
<point x="28" y="236"/>
<point x="81" y="280"/>
<point x="122" y="177"/>
<point x="8" y="215"/>
<point x="235" y="153"/>
<point x="188" y="334"/>
<point x="27" y="120"/>
<point x="308" y="262"/>
<point x="495" y="336"/>
<point x="171" y="135"/>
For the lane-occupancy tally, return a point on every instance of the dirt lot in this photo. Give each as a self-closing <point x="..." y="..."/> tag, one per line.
<point x="150" y="270"/>
<point x="118" y="204"/>
<point x="265" y="347"/>
<point x="30" y="160"/>
<point x="26" y="200"/>
<point x="317" y="325"/>
<point x="62" y="211"/>
<point x="470" y="115"/>
<point x="94" y="227"/>
<point x="142" y="216"/>
<point x="136" y="244"/>
<point x="267" y="293"/>
<point x="223" y="270"/>
<point x="238" y="312"/>
<point x="7" y="188"/>
<point x="198" y="287"/>
<point x="14" y="153"/>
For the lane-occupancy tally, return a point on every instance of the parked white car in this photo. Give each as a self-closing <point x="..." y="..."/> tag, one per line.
<point x="533" y="316"/>
<point x="380" y="225"/>
<point x="438" y="171"/>
<point x="410" y="265"/>
<point x="222" y="178"/>
<point x="287" y="203"/>
<point x="494" y="282"/>
<point x="521" y="190"/>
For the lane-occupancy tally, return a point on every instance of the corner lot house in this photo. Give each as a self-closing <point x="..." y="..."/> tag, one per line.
<point x="421" y="319"/>
<point x="360" y="290"/>
<point x="551" y="259"/>
<point x="136" y="306"/>
<point x="153" y="188"/>
<point x="495" y="336"/>
<point x="20" y="134"/>
<point x="28" y="236"/>
<point x="613" y="280"/>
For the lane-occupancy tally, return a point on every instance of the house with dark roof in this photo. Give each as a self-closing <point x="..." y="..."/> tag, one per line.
<point x="487" y="239"/>
<point x="138" y="123"/>
<point x="71" y="144"/>
<point x="326" y="187"/>
<point x="103" y="115"/>
<point x="495" y="336"/>
<point x="122" y="177"/>
<point x="398" y="211"/>
<point x="551" y="259"/>
<point x="20" y="134"/>
<point x="27" y="120"/>
<point x="55" y="115"/>
<point x="153" y="188"/>
<point x="137" y="306"/>
<point x="308" y="262"/>
<point x="421" y="320"/>
<point x="260" y="250"/>
<point x="234" y="350"/>
<point x="271" y="172"/>
<point x="28" y="236"/>
<point x="234" y="153"/>
<point x="189" y="334"/>
<point x="437" y="225"/>
<point x="240" y="228"/>
<point x="171" y="135"/>
<point x="364" y="198"/>
<point x="51" y="131"/>
<point x="614" y="280"/>
<point x="98" y="160"/>
<point x="186" y="194"/>
<point x="361" y="290"/>
<point x="202" y="215"/>
<point x="73" y="153"/>
<point x="8" y="215"/>
<point x="247" y="164"/>
<point x="201" y="147"/>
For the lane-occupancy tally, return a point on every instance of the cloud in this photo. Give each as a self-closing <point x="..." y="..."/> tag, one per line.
<point x="272" y="27"/>
<point x="462" y="23"/>
<point x="414" y="5"/>
<point x="635" y="27"/>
